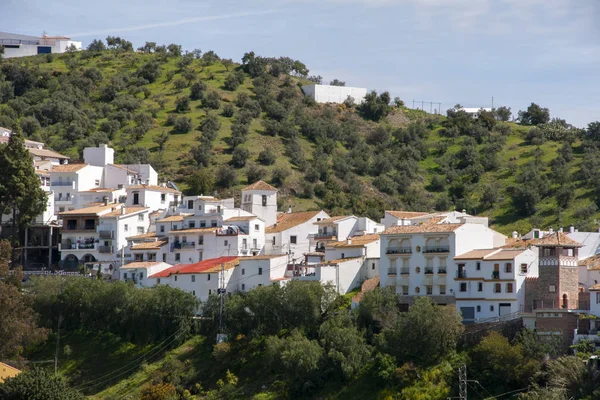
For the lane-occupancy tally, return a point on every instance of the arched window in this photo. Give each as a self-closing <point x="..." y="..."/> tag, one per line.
<point x="565" y="301"/>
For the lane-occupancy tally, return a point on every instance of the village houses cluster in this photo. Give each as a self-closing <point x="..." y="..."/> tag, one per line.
<point x="119" y="221"/>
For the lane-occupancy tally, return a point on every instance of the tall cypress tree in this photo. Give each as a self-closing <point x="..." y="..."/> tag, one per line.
<point x="21" y="195"/>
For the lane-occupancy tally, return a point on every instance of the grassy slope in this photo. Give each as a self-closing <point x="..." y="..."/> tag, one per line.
<point x="176" y="154"/>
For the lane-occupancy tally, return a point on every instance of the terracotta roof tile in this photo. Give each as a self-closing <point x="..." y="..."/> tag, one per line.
<point x="154" y="188"/>
<point x="556" y="239"/>
<point x="504" y="254"/>
<point x="93" y="210"/>
<point x="194" y="230"/>
<point x="331" y="220"/>
<point x="172" y="218"/>
<point x="156" y="244"/>
<point x="423" y="228"/>
<point x="128" y="211"/>
<point x="47" y="153"/>
<point x="68" y="167"/>
<point x="406" y="214"/>
<point x="148" y="235"/>
<point x="246" y="218"/>
<point x="140" y="264"/>
<point x="263" y="257"/>
<point x="512" y="243"/>
<point x="340" y="260"/>
<point x="202" y="267"/>
<point x="475" y="254"/>
<point x="355" y="241"/>
<point x="100" y="190"/>
<point x="260" y="185"/>
<point x="595" y="287"/>
<point x="592" y="263"/>
<point x="289" y="220"/>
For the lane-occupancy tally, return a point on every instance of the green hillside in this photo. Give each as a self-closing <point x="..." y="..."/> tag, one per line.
<point x="213" y="125"/>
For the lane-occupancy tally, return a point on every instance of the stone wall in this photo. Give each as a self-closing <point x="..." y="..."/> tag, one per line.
<point x="563" y="323"/>
<point x="569" y="285"/>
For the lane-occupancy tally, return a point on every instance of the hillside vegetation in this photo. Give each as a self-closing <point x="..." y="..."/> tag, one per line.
<point x="212" y="125"/>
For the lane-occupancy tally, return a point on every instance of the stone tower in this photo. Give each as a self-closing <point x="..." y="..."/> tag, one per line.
<point x="558" y="282"/>
<point x="260" y="199"/>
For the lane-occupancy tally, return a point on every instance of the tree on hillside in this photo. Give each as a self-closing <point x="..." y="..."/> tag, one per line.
<point x="426" y="334"/>
<point x="20" y="193"/>
<point x="534" y="115"/>
<point x="375" y="107"/>
<point x="503" y="113"/>
<point x="227" y="63"/>
<point x="593" y="131"/>
<point x="38" y="384"/>
<point x="201" y="182"/>
<point x="96" y="46"/>
<point x="337" y="82"/>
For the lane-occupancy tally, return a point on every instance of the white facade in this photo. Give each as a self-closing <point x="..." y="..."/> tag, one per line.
<point x="491" y="283"/>
<point x="260" y="199"/>
<point x="16" y="45"/>
<point x="66" y="181"/>
<point x="418" y="259"/>
<point x="293" y="234"/>
<point x="334" y="94"/>
<point x="152" y="196"/>
<point x="139" y="272"/>
<point x="259" y="271"/>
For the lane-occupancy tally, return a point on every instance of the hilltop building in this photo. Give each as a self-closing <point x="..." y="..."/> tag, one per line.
<point x="16" y="45"/>
<point x="334" y="94"/>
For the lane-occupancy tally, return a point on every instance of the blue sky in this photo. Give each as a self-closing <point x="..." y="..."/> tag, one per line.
<point x="448" y="51"/>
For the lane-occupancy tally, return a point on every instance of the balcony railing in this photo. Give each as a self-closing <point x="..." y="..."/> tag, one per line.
<point x="428" y="270"/>
<point x="496" y="275"/>
<point x="441" y="271"/>
<point x="392" y="271"/>
<point x="404" y="271"/>
<point x="68" y="245"/>
<point x="461" y="274"/>
<point x="59" y="183"/>
<point x="436" y="249"/>
<point x="325" y="234"/>
<point x="107" y="234"/>
<point x="188" y="244"/>
<point x="399" y="250"/>
<point x="105" y="249"/>
<point x="58" y="199"/>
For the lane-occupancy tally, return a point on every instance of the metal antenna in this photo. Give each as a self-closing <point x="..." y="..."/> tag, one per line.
<point x="221" y="292"/>
<point x="462" y="382"/>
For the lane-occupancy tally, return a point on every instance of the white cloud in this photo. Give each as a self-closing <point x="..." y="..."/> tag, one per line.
<point x="165" y="24"/>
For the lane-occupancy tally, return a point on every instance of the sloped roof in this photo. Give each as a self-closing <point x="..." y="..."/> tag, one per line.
<point x="140" y="264"/>
<point x="202" y="267"/>
<point x="148" y="235"/>
<point x="263" y="257"/>
<point x="289" y="220"/>
<point x="194" y="230"/>
<point x="68" y="167"/>
<point x="341" y="260"/>
<point x="355" y="241"/>
<point x="475" y="254"/>
<point x="172" y="218"/>
<point x="154" y="188"/>
<point x="128" y="211"/>
<point x="47" y="153"/>
<point x="504" y="254"/>
<point x="596" y="287"/>
<point x="516" y="243"/>
<point x="152" y="245"/>
<point x="423" y="228"/>
<point x="100" y="190"/>
<point x="406" y="214"/>
<point x="93" y="210"/>
<point x="592" y="263"/>
<point x="556" y="239"/>
<point x="331" y="220"/>
<point x="260" y="185"/>
<point x="246" y="218"/>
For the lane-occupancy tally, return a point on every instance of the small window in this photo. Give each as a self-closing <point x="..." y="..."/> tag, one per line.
<point x="140" y="230"/>
<point x="372" y="265"/>
<point x="417" y="290"/>
<point x="498" y="288"/>
<point x="141" y="275"/>
<point x="552" y="288"/>
<point x="523" y="268"/>
<point x="442" y="289"/>
<point x="164" y="257"/>
<point x="259" y="270"/>
<point x="202" y="224"/>
<point x="463" y="286"/>
<point x="343" y="255"/>
<point x="177" y="257"/>
<point x="405" y="290"/>
<point x="193" y="278"/>
<point x="175" y="278"/>
<point x="508" y="268"/>
<point x="162" y="229"/>
<point x="125" y="277"/>
<point x="243" y="286"/>
<point x="256" y="227"/>
<point x="418" y="270"/>
<point x="491" y="308"/>
<point x="478" y="266"/>
<point x="163" y="197"/>
<point x="226" y="243"/>
<point x="208" y="277"/>
<point x="158" y="281"/>
<point x="194" y="292"/>
<point x="140" y="217"/>
<point x="243" y="271"/>
<point x="126" y="227"/>
<point x="509" y="287"/>
<point x="293" y="240"/>
<point x="478" y="308"/>
<point x="120" y="186"/>
<point x="273" y="241"/>
<point x="209" y="292"/>
<point x="480" y="286"/>
<point x="429" y="289"/>
<point x="97" y="182"/>
<point x="213" y="223"/>
<point x="190" y="204"/>
<point x="264" y="200"/>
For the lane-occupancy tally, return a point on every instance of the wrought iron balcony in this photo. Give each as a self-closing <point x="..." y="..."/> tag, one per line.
<point x="436" y="249"/>
<point x="398" y="250"/>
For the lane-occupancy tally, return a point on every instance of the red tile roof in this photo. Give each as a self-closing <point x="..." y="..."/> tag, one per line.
<point x="206" y="266"/>
<point x="260" y="185"/>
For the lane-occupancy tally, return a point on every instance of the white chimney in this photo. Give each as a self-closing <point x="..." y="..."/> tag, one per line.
<point x="515" y="234"/>
<point x="560" y="229"/>
<point x="122" y="210"/>
<point x="348" y="240"/>
<point x="550" y="231"/>
<point x="464" y="211"/>
<point x="289" y="209"/>
<point x="571" y="229"/>
<point x="105" y="200"/>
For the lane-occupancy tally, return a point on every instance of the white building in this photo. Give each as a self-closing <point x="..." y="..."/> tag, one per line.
<point x="67" y="180"/>
<point x="16" y="45"/>
<point x="260" y="199"/>
<point x="201" y="279"/>
<point x="255" y="271"/>
<point x="418" y="259"/>
<point x="334" y="94"/>
<point x="293" y="233"/>
<point x="491" y="282"/>
<point x="139" y="272"/>
<point x="342" y="227"/>
<point x="155" y="197"/>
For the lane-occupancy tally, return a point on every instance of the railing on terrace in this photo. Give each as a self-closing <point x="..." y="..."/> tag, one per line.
<point x="107" y="234"/>
<point x="19" y="41"/>
<point x="106" y="249"/>
<point x="398" y="250"/>
<point x="555" y="305"/>
<point x="86" y="246"/>
<point x="428" y="270"/>
<point x="392" y="271"/>
<point x="404" y="271"/>
<point x="461" y="274"/>
<point x="441" y="271"/>
<point x="60" y="183"/>
<point x="188" y="244"/>
<point x="496" y="275"/>
<point x="436" y="249"/>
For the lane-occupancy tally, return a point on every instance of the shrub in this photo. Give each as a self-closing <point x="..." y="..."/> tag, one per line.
<point x="267" y="157"/>
<point x="182" y="104"/>
<point x="228" y="110"/>
<point x="255" y="173"/>
<point x="239" y="157"/>
<point x="197" y="90"/>
<point x="182" y="124"/>
<point x="226" y="177"/>
<point x="212" y="100"/>
<point x="279" y="175"/>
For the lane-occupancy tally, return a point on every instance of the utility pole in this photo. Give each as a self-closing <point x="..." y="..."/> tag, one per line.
<point x="462" y="382"/>
<point x="492" y="103"/>
<point x="60" y="319"/>
<point x="221" y="292"/>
